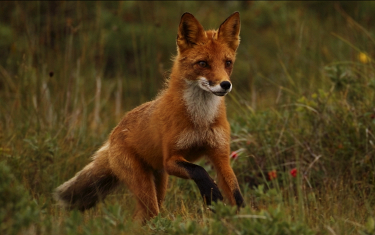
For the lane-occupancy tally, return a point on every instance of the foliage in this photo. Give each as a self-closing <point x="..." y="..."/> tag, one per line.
<point x="17" y="209"/>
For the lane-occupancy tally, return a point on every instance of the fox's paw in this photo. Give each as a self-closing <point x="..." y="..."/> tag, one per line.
<point x="239" y="199"/>
<point x="209" y="191"/>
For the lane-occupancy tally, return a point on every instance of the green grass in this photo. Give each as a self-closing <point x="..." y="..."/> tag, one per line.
<point x="303" y="98"/>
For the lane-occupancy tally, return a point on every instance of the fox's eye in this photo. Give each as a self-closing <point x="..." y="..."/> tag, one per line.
<point x="228" y="63"/>
<point x="203" y="64"/>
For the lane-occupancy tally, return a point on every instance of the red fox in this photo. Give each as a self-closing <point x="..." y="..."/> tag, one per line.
<point x="162" y="137"/>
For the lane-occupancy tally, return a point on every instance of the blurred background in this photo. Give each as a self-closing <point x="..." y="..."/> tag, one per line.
<point x="303" y="91"/>
<point x="58" y="56"/>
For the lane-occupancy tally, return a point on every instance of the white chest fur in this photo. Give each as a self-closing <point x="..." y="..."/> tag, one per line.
<point x="201" y="105"/>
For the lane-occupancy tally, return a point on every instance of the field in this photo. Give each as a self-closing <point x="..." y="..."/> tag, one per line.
<point x="302" y="113"/>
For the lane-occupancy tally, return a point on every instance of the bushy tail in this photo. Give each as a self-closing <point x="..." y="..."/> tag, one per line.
<point x="92" y="184"/>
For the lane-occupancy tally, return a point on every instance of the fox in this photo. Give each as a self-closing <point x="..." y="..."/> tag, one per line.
<point x="185" y="122"/>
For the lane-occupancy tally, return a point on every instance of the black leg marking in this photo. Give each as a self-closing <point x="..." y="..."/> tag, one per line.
<point x="207" y="186"/>
<point x="238" y="197"/>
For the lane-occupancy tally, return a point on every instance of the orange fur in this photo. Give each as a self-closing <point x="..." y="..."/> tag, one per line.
<point x="162" y="137"/>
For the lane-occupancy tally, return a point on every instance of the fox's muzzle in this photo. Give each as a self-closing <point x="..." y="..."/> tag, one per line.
<point x="222" y="89"/>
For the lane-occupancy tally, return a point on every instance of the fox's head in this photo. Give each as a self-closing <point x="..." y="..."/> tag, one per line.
<point x="207" y="57"/>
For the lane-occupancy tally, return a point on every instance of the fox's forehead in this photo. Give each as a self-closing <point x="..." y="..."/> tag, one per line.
<point x="211" y="49"/>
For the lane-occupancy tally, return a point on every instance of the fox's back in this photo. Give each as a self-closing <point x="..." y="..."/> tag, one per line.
<point x="138" y="132"/>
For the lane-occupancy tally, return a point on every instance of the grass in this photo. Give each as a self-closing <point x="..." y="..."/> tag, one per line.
<point x="303" y="98"/>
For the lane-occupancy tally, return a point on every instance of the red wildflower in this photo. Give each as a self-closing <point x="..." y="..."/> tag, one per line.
<point x="293" y="172"/>
<point x="272" y="175"/>
<point x="233" y="155"/>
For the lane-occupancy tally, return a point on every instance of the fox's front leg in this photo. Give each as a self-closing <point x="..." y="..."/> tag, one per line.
<point x="226" y="178"/>
<point x="178" y="166"/>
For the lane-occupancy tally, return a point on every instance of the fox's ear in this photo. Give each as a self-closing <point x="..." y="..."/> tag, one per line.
<point x="229" y="31"/>
<point x="190" y="32"/>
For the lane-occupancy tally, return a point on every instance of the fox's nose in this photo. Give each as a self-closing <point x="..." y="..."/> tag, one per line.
<point x="225" y="85"/>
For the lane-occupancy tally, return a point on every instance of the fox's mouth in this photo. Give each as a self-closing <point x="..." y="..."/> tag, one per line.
<point x="216" y="91"/>
<point x="222" y="93"/>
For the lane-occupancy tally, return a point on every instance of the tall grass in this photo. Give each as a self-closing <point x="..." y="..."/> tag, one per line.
<point x="303" y="99"/>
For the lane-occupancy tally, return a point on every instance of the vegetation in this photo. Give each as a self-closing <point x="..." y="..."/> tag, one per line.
<point x="302" y="113"/>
